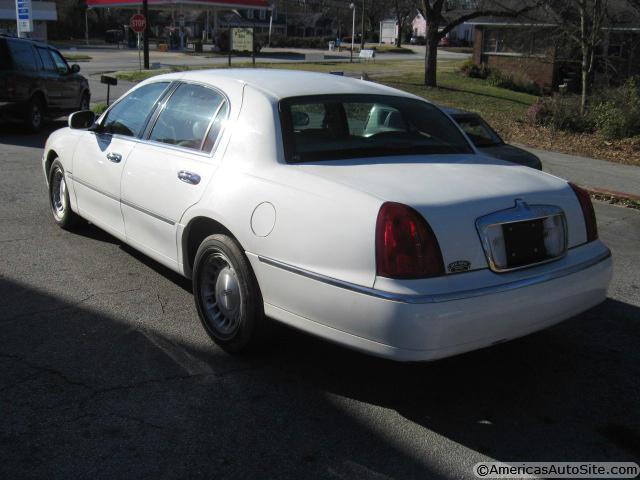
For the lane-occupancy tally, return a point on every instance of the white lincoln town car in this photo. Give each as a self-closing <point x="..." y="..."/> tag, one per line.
<point x="350" y="210"/>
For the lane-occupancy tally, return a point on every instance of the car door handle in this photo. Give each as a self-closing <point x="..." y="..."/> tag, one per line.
<point x="189" y="177"/>
<point x="114" y="157"/>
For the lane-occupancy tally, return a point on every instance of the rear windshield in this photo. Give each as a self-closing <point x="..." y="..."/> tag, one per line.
<point x="332" y="127"/>
<point x="479" y="131"/>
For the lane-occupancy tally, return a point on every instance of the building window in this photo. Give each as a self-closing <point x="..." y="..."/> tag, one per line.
<point x="262" y="14"/>
<point x="513" y="41"/>
<point x="250" y="14"/>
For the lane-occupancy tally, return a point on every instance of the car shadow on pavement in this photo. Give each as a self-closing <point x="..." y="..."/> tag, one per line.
<point x="18" y="135"/>
<point x="89" y="390"/>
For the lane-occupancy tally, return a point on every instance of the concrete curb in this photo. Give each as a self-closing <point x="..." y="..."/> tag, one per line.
<point x="617" y="198"/>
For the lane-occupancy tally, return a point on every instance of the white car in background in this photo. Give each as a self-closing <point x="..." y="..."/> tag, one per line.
<point x="344" y="208"/>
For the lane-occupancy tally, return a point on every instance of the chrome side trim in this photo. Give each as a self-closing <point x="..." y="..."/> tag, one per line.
<point x="95" y="189"/>
<point x="148" y="212"/>
<point x="124" y="202"/>
<point x="441" y="297"/>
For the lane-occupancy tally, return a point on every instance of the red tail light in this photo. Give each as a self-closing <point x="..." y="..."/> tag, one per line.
<point x="587" y="212"/>
<point x="406" y="247"/>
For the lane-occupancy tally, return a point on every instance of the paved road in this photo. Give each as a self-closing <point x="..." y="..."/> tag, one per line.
<point x="105" y="372"/>
<point x="591" y="172"/>
<point x="111" y="60"/>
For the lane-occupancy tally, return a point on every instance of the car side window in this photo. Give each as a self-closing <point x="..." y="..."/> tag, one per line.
<point x="185" y="118"/>
<point x="23" y="55"/>
<point x="129" y="116"/>
<point x="61" y="64"/>
<point x="216" y="127"/>
<point x="45" y="58"/>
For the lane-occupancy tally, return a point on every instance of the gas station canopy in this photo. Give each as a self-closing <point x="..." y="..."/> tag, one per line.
<point x="257" y="4"/>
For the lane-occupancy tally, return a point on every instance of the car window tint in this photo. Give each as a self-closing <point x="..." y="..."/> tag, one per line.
<point x="23" y="55"/>
<point x="61" y="64"/>
<point x="329" y="127"/>
<point x="216" y="127"/>
<point x="45" y="58"/>
<point x="478" y="131"/>
<point x="129" y="115"/>
<point x="185" y="118"/>
<point x="5" y="59"/>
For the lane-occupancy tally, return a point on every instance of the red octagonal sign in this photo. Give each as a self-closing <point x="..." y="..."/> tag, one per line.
<point x="138" y="23"/>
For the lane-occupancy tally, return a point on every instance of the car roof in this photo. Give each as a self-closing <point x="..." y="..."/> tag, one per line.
<point x="28" y="40"/>
<point x="279" y="83"/>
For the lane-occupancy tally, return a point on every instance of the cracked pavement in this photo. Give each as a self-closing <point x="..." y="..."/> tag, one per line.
<point x="106" y="372"/>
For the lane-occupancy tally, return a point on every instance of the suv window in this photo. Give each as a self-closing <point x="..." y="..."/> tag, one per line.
<point x="45" y="58"/>
<point x="185" y="119"/>
<point x="129" y="115"/>
<point x="23" y="55"/>
<point x="61" y="64"/>
<point x="5" y="59"/>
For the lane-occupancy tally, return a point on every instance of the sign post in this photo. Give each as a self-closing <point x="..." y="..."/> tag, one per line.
<point x="23" y="17"/>
<point x="138" y="24"/>
<point x="241" y="40"/>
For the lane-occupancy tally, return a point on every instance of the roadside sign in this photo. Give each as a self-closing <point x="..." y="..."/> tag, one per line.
<point x="23" y="16"/>
<point x="242" y="39"/>
<point x="138" y="23"/>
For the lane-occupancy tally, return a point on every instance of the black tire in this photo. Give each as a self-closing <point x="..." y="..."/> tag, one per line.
<point x="35" y="114"/>
<point x="59" y="198"/>
<point x="227" y="295"/>
<point x="85" y="102"/>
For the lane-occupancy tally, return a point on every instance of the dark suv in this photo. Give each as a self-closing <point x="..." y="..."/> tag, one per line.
<point x="36" y="82"/>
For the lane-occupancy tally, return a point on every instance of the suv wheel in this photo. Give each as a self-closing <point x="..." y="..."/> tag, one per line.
<point x="35" y="114"/>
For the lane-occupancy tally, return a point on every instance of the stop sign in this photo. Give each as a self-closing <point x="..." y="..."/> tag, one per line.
<point x="138" y="23"/>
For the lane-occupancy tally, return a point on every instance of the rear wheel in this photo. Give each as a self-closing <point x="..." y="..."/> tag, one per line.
<point x="227" y="295"/>
<point x="35" y="113"/>
<point x="59" y="198"/>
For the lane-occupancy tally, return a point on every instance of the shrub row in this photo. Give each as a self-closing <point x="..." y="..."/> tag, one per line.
<point x="612" y="112"/>
<point x="497" y="78"/>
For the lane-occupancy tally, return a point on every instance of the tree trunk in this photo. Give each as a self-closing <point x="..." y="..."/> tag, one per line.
<point x="431" y="55"/>
<point x="399" y="37"/>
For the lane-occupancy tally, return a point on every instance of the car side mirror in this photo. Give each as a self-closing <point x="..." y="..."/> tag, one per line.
<point x="82" y="120"/>
<point x="75" y="68"/>
<point x="300" y="119"/>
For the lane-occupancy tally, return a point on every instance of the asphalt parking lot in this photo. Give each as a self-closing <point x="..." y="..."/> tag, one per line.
<point x="105" y="372"/>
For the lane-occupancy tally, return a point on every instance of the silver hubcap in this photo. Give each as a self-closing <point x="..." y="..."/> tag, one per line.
<point x="59" y="194"/>
<point x="221" y="295"/>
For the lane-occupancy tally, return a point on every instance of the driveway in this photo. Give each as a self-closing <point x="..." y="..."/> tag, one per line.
<point x="106" y="372"/>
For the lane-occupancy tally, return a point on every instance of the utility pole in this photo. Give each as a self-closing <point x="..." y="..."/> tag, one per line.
<point x="353" y="28"/>
<point x="362" y="29"/>
<point x="145" y="34"/>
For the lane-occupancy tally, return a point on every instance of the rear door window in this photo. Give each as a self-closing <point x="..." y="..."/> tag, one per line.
<point x="187" y="116"/>
<point x="45" y="58"/>
<point x="23" y="55"/>
<point x="61" y="64"/>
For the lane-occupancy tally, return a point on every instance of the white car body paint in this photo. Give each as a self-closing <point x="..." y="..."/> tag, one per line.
<point x="313" y="248"/>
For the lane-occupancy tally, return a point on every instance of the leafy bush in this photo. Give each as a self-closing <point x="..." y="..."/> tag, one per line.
<point x="560" y="113"/>
<point x="616" y="112"/>
<point x="511" y="81"/>
<point x="472" y="70"/>
<point x="99" y="108"/>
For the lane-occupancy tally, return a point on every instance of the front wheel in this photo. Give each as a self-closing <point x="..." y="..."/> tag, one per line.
<point x="34" y="114"/>
<point x="227" y="295"/>
<point x="59" y="198"/>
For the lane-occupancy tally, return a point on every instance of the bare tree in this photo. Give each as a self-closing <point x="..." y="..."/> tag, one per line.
<point x="442" y="16"/>
<point x="582" y="22"/>
<point x="404" y="11"/>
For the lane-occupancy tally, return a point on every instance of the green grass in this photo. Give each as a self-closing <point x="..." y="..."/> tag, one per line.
<point x="77" y="57"/>
<point x="99" y="108"/>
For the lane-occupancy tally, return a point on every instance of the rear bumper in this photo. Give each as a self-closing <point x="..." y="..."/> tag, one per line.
<point x="473" y="310"/>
